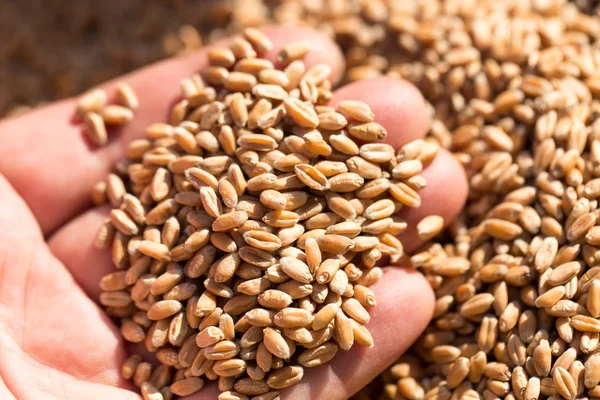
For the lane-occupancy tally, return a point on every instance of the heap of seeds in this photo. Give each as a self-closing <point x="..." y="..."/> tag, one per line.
<point x="247" y="230"/>
<point x="514" y="86"/>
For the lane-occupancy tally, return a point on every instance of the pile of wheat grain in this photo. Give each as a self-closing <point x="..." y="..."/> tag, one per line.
<point x="512" y="87"/>
<point x="247" y="229"/>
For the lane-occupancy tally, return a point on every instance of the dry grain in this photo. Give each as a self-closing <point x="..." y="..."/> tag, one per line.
<point x="242" y="191"/>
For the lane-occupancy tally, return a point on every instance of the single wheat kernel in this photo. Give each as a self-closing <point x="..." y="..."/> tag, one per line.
<point x="92" y="101"/>
<point x="98" y="194"/>
<point x="95" y="128"/>
<point x="116" y="115"/>
<point x="126" y="96"/>
<point x="293" y="51"/>
<point x="430" y="226"/>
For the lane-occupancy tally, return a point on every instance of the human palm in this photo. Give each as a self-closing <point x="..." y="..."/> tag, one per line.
<point x="56" y="342"/>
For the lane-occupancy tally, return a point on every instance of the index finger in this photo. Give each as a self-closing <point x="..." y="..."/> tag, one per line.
<point x="53" y="166"/>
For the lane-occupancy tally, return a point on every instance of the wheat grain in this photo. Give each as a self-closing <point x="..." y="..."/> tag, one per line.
<point x="243" y="190"/>
<point x="92" y="101"/>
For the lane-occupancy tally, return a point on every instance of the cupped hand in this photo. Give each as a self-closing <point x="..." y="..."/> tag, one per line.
<point x="57" y="343"/>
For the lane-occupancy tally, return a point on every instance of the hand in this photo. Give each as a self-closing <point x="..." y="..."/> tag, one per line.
<point x="56" y="342"/>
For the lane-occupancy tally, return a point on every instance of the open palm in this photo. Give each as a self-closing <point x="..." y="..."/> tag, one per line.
<point x="56" y="342"/>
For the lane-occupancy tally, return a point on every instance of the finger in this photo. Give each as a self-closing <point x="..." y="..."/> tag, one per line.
<point x="396" y="103"/>
<point x="5" y="393"/>
<point x="37" y="294"/>
<point x="445" y="195"/>
<point x="52" y="165"/>
<point x="404" y="308"/>
<point x="86" y="263"/>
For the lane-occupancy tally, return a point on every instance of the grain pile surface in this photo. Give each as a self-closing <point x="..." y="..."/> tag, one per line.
<point x="512" y="87"/>
<point x="246" y="230"/>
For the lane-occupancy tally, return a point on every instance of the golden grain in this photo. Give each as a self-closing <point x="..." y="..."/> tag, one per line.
<point x="116" y="115"/>
<point x="92" y="101"/>
<point x="240" y="190"/>
<point x="95" y="128"/>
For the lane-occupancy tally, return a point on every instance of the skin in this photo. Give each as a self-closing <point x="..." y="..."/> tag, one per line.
<point x="56" y="342"/>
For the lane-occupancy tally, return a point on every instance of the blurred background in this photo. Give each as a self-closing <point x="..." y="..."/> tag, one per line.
<point x="51" y="49"/>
